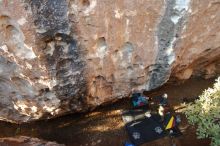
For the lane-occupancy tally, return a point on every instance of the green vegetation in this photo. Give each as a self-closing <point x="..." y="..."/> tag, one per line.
<point x="205" y="114"/>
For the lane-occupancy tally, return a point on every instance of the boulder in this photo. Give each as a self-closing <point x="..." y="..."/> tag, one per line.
<point x="62" y="56"/>
<point x="26" y="141"/>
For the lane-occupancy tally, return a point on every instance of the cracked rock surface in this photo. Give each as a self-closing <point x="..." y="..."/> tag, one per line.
<point x="64" y="56"/>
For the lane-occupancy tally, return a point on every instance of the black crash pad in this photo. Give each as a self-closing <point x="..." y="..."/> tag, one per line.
<point x="144" y="130"/>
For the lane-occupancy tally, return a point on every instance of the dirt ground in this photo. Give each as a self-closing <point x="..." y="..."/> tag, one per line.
<point x="104" y="126"/>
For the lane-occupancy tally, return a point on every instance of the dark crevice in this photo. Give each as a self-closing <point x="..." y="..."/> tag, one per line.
<point x="167" y="33"/>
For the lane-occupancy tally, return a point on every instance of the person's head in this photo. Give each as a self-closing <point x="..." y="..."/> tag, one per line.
<point x="165" y="95"/>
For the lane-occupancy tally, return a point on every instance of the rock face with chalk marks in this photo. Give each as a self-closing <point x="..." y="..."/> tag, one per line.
<point x="61" y="56"/>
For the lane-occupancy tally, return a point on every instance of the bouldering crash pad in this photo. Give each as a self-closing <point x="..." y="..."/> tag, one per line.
<point x="145" y="130"/>
<point x="143" y="127"/>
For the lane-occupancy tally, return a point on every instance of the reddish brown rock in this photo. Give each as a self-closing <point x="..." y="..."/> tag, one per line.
<point x="26" y="141"/>
<point x="61" y="56"/>
<point x="198" y="49"/>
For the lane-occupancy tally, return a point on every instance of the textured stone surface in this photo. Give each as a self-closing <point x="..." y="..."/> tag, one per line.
<point x="63" y="56"/>
<point x="198" y="48"/>
<point x="25" y="141"/>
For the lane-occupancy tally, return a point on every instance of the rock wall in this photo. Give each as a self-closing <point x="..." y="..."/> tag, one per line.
<point x="65" y="56"/>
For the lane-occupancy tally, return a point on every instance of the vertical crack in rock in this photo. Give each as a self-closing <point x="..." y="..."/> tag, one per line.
<point x="167" y="34"/>
<point x="61" y="54"/>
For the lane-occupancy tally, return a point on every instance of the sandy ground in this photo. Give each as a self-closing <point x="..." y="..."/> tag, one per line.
<point x="104" y="126"/>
